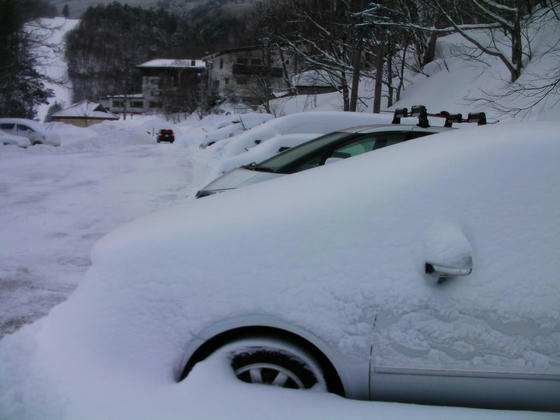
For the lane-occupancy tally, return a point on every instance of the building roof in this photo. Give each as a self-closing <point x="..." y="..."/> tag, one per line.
<point x="165" y="63"/>
<point x="86" y="109"/>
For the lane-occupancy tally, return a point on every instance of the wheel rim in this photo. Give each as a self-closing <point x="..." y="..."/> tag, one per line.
<point x="269" y="374"/>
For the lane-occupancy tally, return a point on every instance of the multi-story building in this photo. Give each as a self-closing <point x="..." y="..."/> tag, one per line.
<point x="162" y="78"/>
<point x="243" y="72"/>
<point x="166" y="84"/>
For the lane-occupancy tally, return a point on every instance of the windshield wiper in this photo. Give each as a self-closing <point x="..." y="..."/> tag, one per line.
<point x="254" y="167"/>
<point x="262" y="169"/>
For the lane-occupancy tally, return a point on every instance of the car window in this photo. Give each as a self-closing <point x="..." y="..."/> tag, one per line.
<point x="357" y="147"/>
<point x="24" y="128"/>
<point x="311" y="148"/>
<point x="312" y="162"/>
<point x="368" y="143"/>
<point x="7" y="126"/>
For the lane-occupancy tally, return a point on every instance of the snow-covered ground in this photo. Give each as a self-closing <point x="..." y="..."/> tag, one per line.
<point x="57" y="201"/>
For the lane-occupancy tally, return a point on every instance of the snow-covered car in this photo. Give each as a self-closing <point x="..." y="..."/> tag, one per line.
<point x="319" y="151"/>
<point x="34" y="131"/>
<point x="12" y="140"/>
<point x="425" y="272"/>
<point x="238" y="124"/>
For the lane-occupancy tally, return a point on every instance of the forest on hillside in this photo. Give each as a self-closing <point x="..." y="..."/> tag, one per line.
<point x="111" y="40"/>
<point x="347" y="40"/>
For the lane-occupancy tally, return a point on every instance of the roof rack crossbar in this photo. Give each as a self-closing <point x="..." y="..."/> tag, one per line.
<point x="420" y="112"/>
<point x="399" y="113"/>
<point x="451" y="118"/>
<point x="478" y="117"/>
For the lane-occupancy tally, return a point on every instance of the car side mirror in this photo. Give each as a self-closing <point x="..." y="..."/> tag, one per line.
<point x="443" y="272"/>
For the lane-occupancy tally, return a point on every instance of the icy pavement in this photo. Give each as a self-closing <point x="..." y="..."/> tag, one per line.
<point x="56" y="202"/>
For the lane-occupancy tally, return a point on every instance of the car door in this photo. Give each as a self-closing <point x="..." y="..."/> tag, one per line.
<point x="486" y="337"/>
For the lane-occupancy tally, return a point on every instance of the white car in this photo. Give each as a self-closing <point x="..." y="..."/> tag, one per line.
<point x="34" y="131"/>
<point x="322" y="150"/>
<point x="12" y="140"/>
<point x="425" y="272"/>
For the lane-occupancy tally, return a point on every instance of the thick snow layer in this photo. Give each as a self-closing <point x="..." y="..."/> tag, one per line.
<point x="238" y="124"/>
<point x="57" y="201"/>
<point x="114" y="347"/>
<point x="305" y="122"/>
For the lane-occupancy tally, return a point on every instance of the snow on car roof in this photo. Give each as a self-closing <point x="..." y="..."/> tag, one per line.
<point x="303" y="122"/>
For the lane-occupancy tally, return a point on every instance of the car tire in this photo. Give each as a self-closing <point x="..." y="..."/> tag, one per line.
<point x="273" y="362"/>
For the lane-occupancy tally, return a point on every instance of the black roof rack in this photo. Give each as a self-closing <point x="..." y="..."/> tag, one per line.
<point x="422" y="114"/>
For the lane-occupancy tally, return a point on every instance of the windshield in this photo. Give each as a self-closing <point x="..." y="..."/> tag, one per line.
<point x="276" y="163"/>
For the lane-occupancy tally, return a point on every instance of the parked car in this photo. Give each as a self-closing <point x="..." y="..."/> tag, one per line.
<point x="166" y="134"/>
<point x="10" y="139"/>
<point x="426" y="272"/>
<point x="325" y="149"/>
<point x="335" y="146"/>
<point x="34" y="131"/>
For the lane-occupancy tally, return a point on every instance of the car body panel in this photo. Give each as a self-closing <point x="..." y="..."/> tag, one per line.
<point x="338" y="254"/>
<point x="353" y="371"/>
<point x="13" y="140"/>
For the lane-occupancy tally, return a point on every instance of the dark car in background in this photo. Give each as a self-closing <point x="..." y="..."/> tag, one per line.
<point x="166" y="134"/>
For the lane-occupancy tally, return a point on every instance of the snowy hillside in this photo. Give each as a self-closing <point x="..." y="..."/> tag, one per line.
<point x="458" y="83"/>
<point x="52" y="57"/>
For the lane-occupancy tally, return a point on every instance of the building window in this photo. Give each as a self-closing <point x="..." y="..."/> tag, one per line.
<point x="137" y="104"/>
<point x="256" y="61"/>
<point x="227" y="81"/>
<point x="155" y="104"/>
<point x="221" y="63"/>
<point x="117" y="104"/>
<point x="241" y="60"/>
